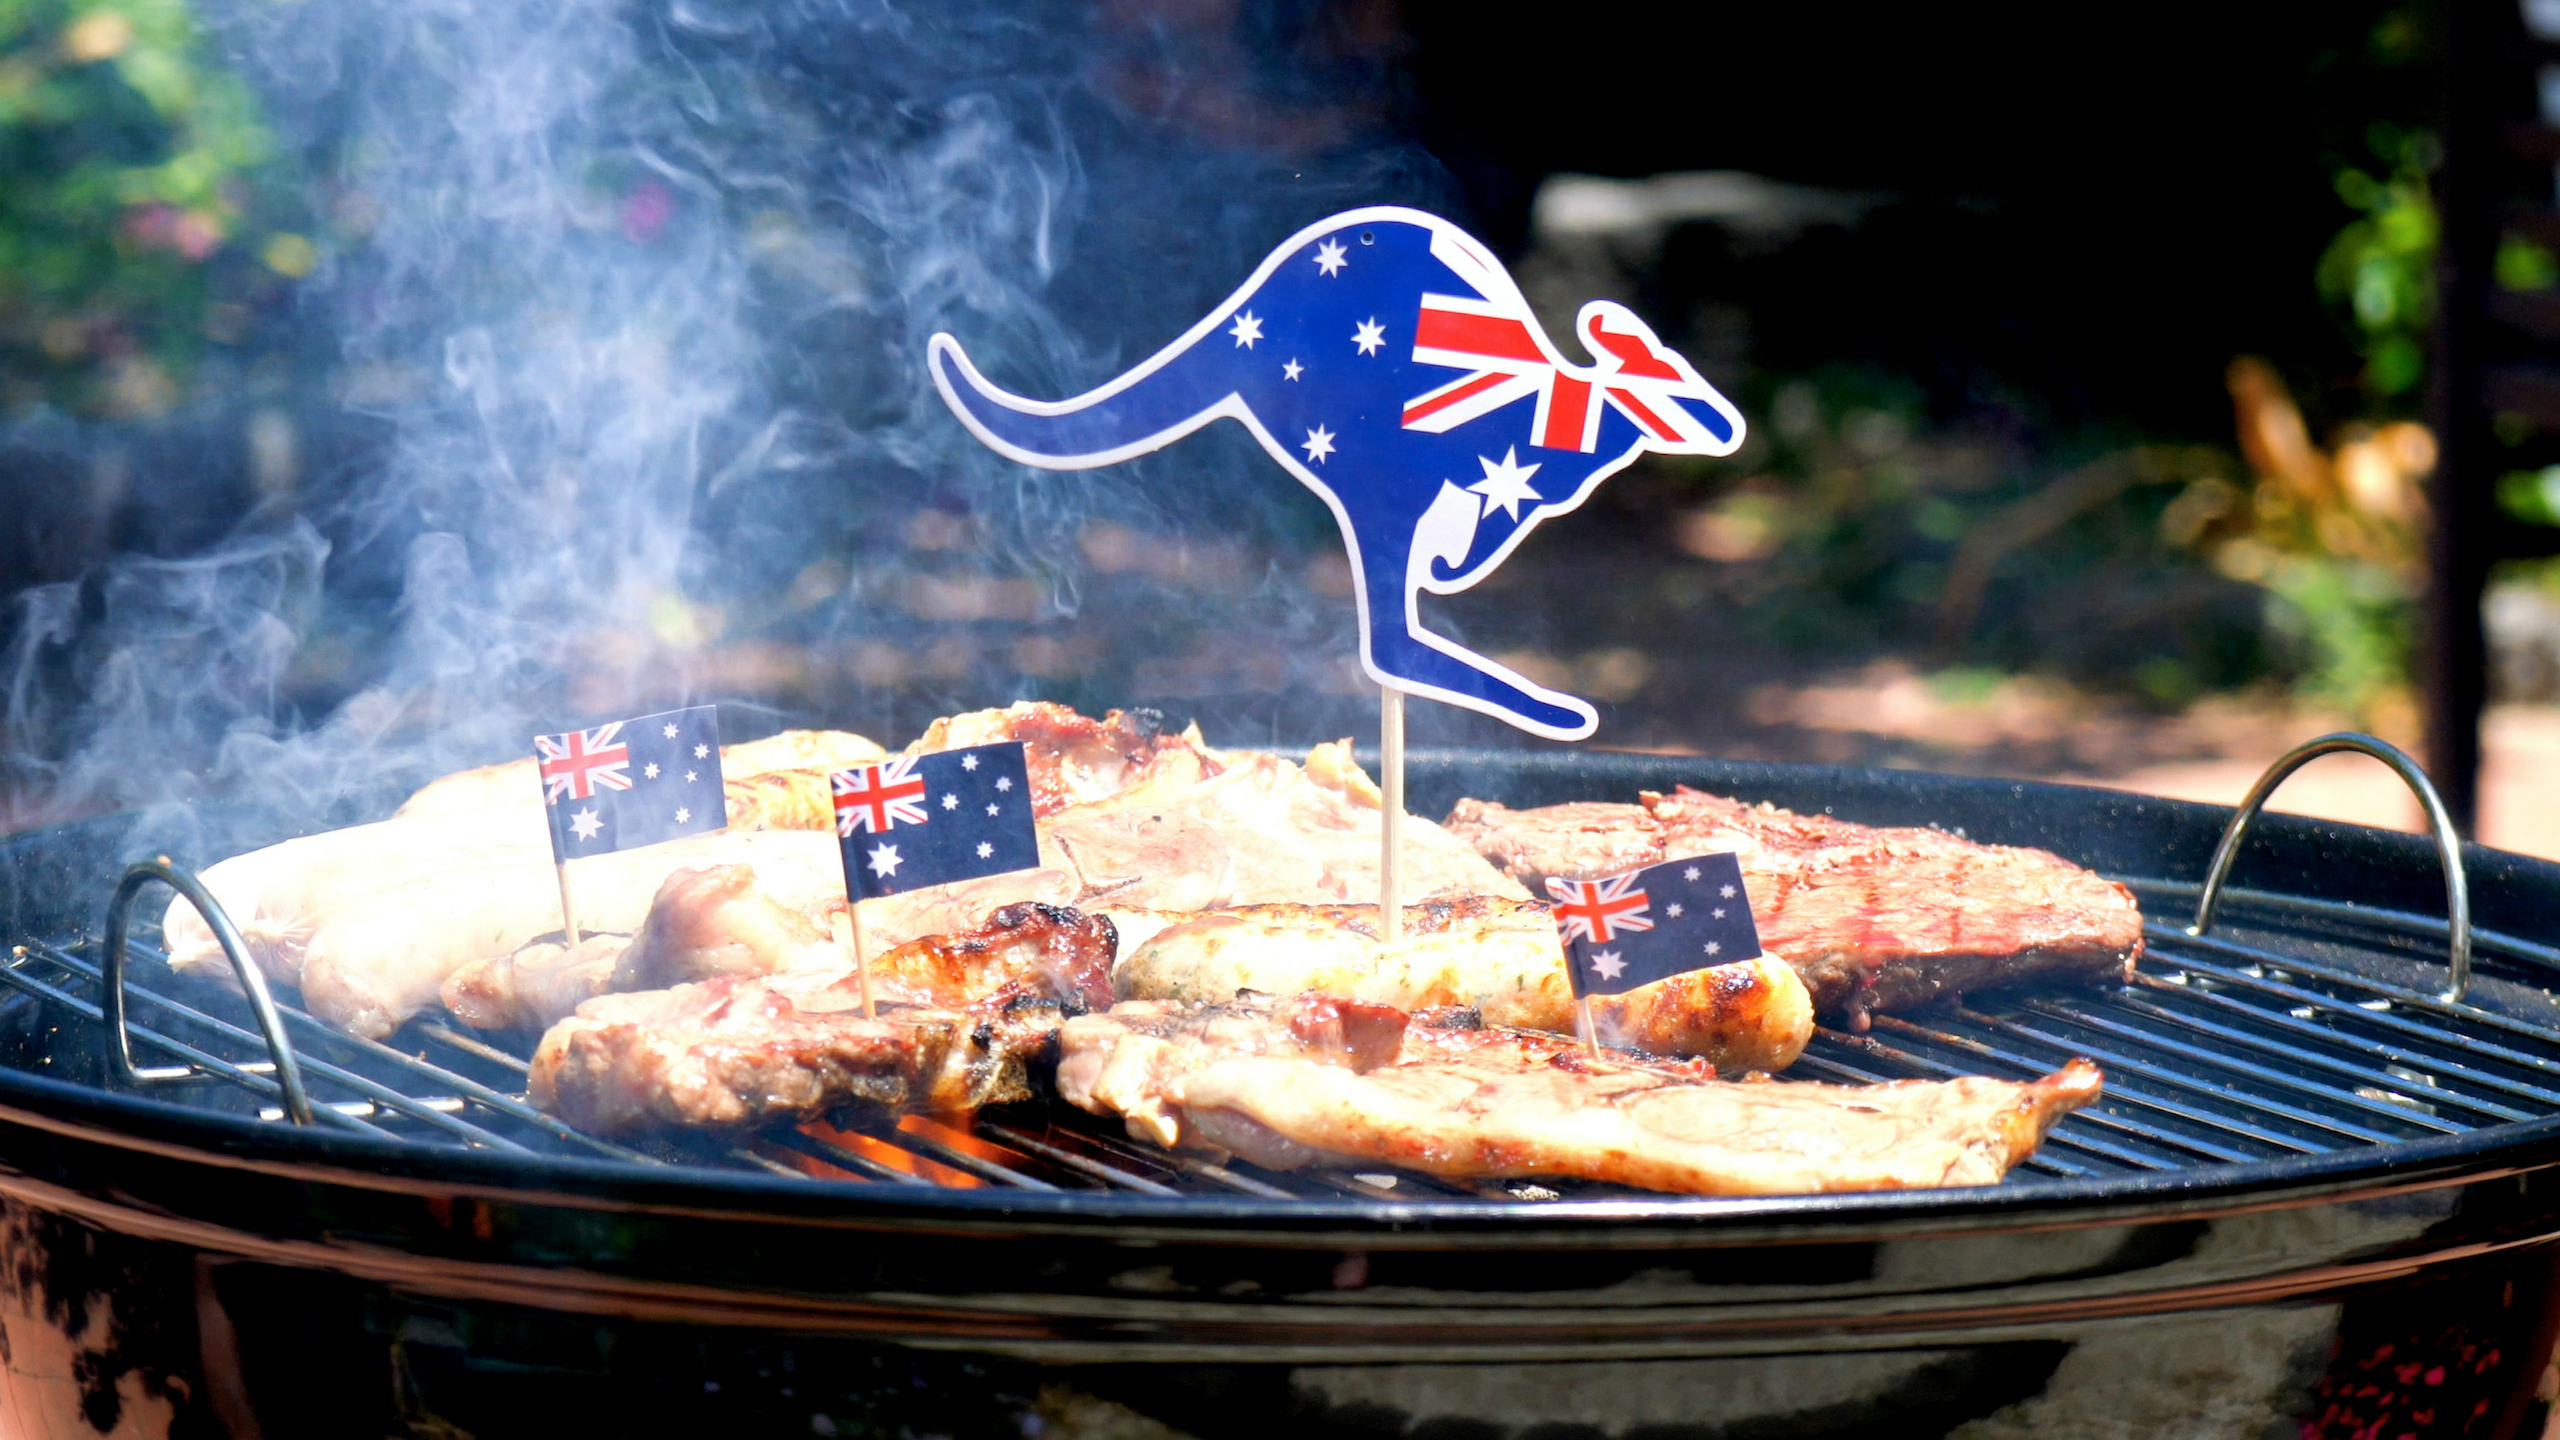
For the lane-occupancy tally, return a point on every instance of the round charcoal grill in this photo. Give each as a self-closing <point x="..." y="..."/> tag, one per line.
<point x="2325" y="1150"/>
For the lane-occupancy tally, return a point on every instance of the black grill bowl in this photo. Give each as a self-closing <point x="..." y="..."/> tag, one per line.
<point x="2315" y="1197"/>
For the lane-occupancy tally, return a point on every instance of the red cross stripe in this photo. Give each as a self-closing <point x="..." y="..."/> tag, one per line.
<point x="1506" y="359"/>
<point x="1596" y="910"/>
<point x="877" y="798"/>
<point x="582" y="761"/>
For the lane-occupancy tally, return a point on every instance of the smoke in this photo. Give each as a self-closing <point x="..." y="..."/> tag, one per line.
<point x="629" y="301"/>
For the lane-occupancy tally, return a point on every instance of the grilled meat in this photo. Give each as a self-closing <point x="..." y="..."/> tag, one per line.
<point x="1495" y="1103"/>
<point x="1130" y="1061"/>
<point x="517" y="784"/>
<point x="1181" y="837"/>
<point x="1502" y="957"/>
<point x="1074" y="759"/>
<point x="1872" y="919"/>
<point x="740" y="1051"/>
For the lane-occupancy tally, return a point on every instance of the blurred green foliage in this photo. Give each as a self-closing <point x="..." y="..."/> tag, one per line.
<point x="135" y="227"/>
<point x="2380" y="270"/>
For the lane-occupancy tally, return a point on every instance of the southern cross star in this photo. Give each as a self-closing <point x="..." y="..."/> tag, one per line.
<point x="1714" y="948"/>
<point x="1608" y="964"/>
<point x="701" y="752"/>
<point x="968" y="762"/>
<point x="985" y="850"/>
<point x="649" y="772"/>
<point x="689" y="777"/>
<point x="1329" y="257"/>
<point x="585" y="824"/>
<point x="950" y="802"/>
<point x="1726" y="892"/>
<point x="1689" y="874"/>
<point x="1319" y="443"/>
<point x="1004" y="783"/>
<point x="684" y="815"/>
<point x="993" y="809"/>
<point x="1672" y="910"/>
<point x="669" y="732"/>
<point x="1506" y="484"/>
<point x="1247" y="329"/>
<point x="1371" y="335"/>
<point x="884" y="860"/>
<point x="1292" y="370"/>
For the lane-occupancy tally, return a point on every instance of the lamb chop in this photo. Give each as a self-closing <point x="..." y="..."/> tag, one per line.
<point x="1501" y="956"/>
<point x="1469" y="1103"/>
<point x="966" y="1018"/>
<point x="1871" y="918"/>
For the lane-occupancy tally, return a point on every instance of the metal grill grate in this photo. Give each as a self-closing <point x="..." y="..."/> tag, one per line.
<point x="2297" y="1028"/>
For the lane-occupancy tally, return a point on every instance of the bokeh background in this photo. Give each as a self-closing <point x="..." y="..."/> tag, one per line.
<point x="380" y="383"/>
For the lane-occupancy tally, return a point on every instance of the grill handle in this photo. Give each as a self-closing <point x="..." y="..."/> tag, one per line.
<point x="2457" y="886"/>
<point x="297" y="1103"/>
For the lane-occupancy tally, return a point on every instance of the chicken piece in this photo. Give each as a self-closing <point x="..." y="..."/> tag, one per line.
<point x="540" y="983"/>
<point x="1872" y="919"/>
<point x="1496" y="1103"/>
<point x="734" y="1052"/>
<point x="1073" y="759"/>
<point x="1130" y="1061"/>
<point x="1501" y="957"/>
<point x="373" y="963"/>
<point x="517" y="784"/>
<point x="1260" y="830"/>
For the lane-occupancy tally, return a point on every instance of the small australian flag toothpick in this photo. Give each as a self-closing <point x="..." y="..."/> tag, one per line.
<point x="918" y="820"/>
<point x="1623" y="931"/>
<point x="633" y="782"/>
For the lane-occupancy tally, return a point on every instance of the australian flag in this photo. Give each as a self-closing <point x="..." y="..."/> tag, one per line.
<point x="918" y="820"/>
<point x="1622" y="931"/>
<point x="633" y="782"/>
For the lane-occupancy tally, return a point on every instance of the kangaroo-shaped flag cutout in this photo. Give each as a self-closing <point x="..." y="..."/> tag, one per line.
<point x="1386" y="359"/>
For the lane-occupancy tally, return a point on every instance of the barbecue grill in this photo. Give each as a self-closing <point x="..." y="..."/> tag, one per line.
<point x="2326" y="1149"/>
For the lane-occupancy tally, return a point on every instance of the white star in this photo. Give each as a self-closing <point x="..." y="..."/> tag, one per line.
<point x="1329" y="257"/>
<point x="1292" y="370"/>
<point x="690" y="776"/>
<point x="985" y="850"/>
<point x="993" y="809"/>
<point x="1247" y="330"/>
<point x="669" y="732"/>
<point x="1371" y="336"/>
<point x="1689" y="874"/>
<point x="968" y="762"/>
<point x="649" y="772"/>
<point x="1319" y="443"/>
<point x="684" y="815"/>
<point x="585" y="824"/>
<point x="884" y="860"/>
<point x="1719" y="913"/>
<point x="1506" y="484"/>
<point x="950" y="802"/>
<point x="701" y="752"/>
<point x="1726" y="892"/>
<point x="1672" y="910"/>
<point x="1714" y="949"/>
<point x="1609" y="964"/>
<point x="1004" y="782"/>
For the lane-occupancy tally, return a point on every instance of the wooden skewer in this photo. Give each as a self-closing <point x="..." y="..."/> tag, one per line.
<point x="568" y="911"/>
<point x="1583" y="1026"/>
<point x="1391" y="817"/>
<point x="852" y="932"/>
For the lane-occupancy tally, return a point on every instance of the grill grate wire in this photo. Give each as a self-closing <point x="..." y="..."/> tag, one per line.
<point x="2220" y="1051"/>
<point x="2306" y="1027"/>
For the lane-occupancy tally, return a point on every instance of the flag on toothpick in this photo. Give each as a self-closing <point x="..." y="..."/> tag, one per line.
<point x="918" y="820"/>
<point x="633" y="782"/>
<point x="1622" y="931"/>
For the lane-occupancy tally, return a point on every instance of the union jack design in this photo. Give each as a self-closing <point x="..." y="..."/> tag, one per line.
<point x="580" y="762"/>
<point x="1499" y="346"/>
<point x="873" y="799"/>
<point x="1598" y="910"/>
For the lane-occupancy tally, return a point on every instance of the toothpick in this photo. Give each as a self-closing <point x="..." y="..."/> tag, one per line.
<point x="1583" y="1027"/>
<point x="861" y="960"/>
<point x="568" y="911"/>
<point x="1391" y="818"/>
